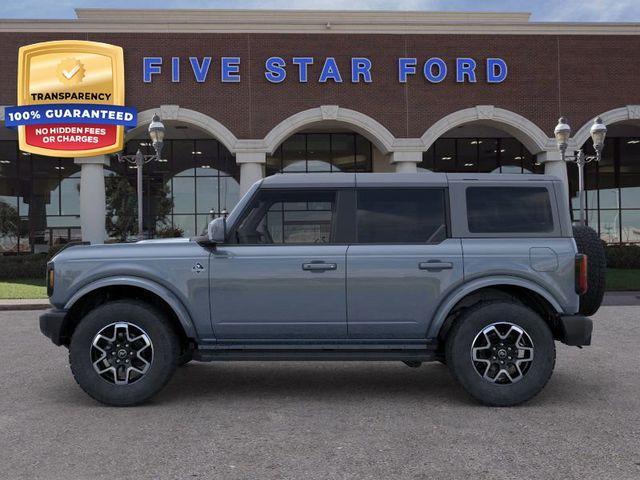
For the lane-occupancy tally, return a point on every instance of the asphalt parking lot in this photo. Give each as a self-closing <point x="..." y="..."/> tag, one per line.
<point x="322" y="420"/>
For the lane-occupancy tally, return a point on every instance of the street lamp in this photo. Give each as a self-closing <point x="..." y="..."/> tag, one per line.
<point x="562" y="133"/>
<point x="156" y="133"/>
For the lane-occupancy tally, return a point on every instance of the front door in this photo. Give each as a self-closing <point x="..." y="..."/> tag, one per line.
<point x="401" y="264"/>
<point x="283" y="273"/>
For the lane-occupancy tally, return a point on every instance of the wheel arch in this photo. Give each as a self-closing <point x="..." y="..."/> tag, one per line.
<point x="525" y="291"/>
<point x="118" y="288"/>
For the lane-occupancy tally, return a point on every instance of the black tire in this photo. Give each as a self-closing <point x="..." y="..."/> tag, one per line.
<point x="589" y="243"/>
<point x="165" y="352"/>
<point x="458" y="351"/>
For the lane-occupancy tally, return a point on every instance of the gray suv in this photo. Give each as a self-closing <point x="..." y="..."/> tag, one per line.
<point x="478" y="271"/>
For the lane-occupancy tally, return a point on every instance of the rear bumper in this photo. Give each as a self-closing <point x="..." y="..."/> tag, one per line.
<point x="51" y="325"/>
<point x="575" y="330"/>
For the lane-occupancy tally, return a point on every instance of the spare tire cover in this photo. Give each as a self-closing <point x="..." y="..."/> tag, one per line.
<point x="589" y="243"/>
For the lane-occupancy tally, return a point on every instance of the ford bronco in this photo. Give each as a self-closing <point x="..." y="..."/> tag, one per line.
<point x="482" y="272"/>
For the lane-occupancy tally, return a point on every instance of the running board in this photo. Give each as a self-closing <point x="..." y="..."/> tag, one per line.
<point x="305" y="354"/>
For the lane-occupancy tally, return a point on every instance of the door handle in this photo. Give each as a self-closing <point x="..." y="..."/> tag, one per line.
<point x="319" y="266"/>
<point x="435" y="265"/>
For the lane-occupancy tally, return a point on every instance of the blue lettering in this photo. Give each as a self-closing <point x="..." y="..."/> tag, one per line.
<point x="175" y="69"/>
<point x="200" y="71"/>
<point x="406" y="66"/>
<point x="465" y="67"/>
<point x="303" y="64"/>
<point x="360" y="67"/>
<point x="230" y="70"/>
<point x="496" y="70"/>
<point x="275" y="69"/>
<point x="428" y="70"/>
<point x="330" y="71"/>
<point x="151" y="66"/>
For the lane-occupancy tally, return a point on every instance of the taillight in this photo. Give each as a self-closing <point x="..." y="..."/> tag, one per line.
<point x="50" y="280"/>
<point x="581" y="274"/>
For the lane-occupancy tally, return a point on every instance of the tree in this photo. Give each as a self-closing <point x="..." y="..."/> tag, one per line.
<point x="9" y="221"/>
<point x="122" y="207"/>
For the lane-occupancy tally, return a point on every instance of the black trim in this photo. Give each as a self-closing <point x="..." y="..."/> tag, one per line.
<point x="575" y="330"/>
<point x="52" y="325"/>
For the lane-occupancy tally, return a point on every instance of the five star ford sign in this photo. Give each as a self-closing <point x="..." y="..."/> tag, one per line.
<point x="71" y="99"/>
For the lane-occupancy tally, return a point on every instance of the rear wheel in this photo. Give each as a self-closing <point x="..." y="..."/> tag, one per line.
<point x="122" y="353"/>
<point x="502" y="353"/>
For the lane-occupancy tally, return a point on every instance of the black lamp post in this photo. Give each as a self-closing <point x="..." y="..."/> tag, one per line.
<point x="156" y="133"/>
<point x="562" y="133"/>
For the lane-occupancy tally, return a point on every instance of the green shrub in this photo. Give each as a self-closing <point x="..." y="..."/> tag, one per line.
<point x="23" y="266"/>
<point x="169" y="232"/>
<point x="623" y="256"/>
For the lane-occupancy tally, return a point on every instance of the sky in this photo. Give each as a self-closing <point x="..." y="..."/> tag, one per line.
<point x="542" y="10"/>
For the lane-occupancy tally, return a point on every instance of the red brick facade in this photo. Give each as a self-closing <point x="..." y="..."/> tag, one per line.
<point x="578" y="76"/>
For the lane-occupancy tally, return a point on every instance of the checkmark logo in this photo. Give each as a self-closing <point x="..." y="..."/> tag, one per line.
<point x="70" y="71"/>
<point x="70" y="74"/>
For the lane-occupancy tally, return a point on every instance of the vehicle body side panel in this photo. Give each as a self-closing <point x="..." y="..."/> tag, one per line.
<point x="167" y="267"/>
<point x="389" y="295"/>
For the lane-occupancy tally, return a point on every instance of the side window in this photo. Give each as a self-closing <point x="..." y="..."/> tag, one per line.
<point x="291" y="216"/>
<point x="509" y="210"/>
<point x="408" y="215"/>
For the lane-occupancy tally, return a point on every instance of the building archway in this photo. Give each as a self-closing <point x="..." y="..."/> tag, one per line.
<point x="521" y="128"/>
<point x="175" y="113"/>
<point x="358" y="122"/>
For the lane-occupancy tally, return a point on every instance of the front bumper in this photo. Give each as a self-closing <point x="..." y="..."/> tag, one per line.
<point x="575" y="330"/>
<point x="52" y="325"/>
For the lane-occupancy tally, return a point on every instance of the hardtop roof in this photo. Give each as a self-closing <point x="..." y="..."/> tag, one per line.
<point x="318" y="180"/>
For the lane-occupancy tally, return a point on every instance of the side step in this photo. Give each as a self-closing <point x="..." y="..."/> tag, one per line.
<point x="302" y="354"/>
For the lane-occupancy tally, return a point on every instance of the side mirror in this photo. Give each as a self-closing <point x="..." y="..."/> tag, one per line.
<point x="217" y="231"/>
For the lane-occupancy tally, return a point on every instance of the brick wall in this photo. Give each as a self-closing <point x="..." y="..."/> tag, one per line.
<point x="578" y="76"/>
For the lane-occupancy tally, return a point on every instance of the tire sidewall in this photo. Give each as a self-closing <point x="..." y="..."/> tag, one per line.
<point x="165" y="353"/>
<point x="460" y="341"/>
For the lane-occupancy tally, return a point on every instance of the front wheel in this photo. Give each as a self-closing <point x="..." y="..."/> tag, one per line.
<point x="502" y="353"/>
<point x="123" y="352"/>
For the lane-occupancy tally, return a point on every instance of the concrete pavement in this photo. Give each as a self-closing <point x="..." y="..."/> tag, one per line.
<point x="322" y="420"/>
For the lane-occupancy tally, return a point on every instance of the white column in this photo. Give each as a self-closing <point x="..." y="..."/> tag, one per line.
<point x="406" y="162"/>
<point x="251" y="168"/>
<point x="553" y="165"/>
<point x="93" y="208"/>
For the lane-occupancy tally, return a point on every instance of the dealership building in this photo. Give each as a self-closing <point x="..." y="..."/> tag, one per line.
<point x="247" y="94"/>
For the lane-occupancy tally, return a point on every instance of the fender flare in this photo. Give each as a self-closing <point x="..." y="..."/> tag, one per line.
<point x="165" y="294"/>
<point x="454" y="297"/>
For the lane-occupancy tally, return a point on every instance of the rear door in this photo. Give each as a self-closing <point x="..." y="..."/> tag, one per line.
<point x="402" y="262"/>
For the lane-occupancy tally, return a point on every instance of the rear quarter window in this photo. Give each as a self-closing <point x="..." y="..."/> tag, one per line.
<point x="509" y="210"/>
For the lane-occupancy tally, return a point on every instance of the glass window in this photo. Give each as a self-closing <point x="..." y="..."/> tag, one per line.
<point x="343" y="152"/>
<point x="509" y="210"/>
<point x="274" y="162"/>
<point x="319" y="152"/>
<point x="445" y="155"/>
<point x="488" y="152"/>
<point x="207" y="197"/>
<point x="364" y="153"/>
<point x="401" y="215"/>
<point x="294" y="154"/>
<point x="467" y="154"/>
<point x="288" y="217"/>
<point x="184" y="195"/>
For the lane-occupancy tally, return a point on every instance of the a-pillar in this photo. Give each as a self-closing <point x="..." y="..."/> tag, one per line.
<point x="406" y="162"/>
<point x="251" y="168"/>
<point x="93" y="208"/>
<point x="553" y="165"/>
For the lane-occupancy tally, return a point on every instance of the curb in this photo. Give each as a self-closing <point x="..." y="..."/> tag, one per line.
<point x="18" y="305"/>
